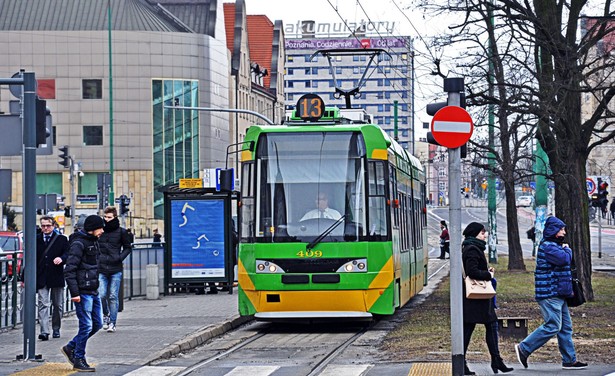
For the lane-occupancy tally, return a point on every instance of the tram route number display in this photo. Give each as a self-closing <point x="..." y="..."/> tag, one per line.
<point x="310" y="107"/>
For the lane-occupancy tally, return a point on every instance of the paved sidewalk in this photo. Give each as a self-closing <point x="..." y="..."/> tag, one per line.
<point x="146" y="330"/>
<point x="154" y="329"/>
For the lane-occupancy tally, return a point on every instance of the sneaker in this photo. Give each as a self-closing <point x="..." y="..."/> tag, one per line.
<point x="111" y="328"/>
<point x="521" y="355"/>
<point x="81" y="366"/>
<point x="106" y="321"/>
<point x="575" y="365"/>
<point x="68" y="353"/>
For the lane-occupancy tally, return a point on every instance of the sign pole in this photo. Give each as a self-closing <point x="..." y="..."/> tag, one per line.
<point x="454" y="87"/>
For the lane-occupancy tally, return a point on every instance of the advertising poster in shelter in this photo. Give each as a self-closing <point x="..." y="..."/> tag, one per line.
<point x="197" y="249"/>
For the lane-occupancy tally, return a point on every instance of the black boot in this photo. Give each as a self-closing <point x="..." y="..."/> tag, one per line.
<point x="497" y="364"/>
<point x="82" y="366"/>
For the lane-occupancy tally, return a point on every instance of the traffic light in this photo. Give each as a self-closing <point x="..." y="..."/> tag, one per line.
<point x="431" y="110"/>
<point x="67" y="212"/>
<point x="41" y="122"/>
<point x="64" y="157"/>
<point x="124" y="205"/>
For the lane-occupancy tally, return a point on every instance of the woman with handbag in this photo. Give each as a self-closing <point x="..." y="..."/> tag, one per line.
<point x="479" y="311"/>
<point x="553" y="284"/>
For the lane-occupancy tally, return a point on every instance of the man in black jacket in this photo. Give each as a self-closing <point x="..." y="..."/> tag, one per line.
<point x="115" y="246"/>
<point x="51" y="253"/>
<point x="81" y="275"/>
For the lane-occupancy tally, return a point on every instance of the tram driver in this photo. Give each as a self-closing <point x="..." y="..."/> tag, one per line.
<point x="322" y="209"/>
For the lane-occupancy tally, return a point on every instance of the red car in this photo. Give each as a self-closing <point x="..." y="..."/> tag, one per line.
<point x="11" y="242"/>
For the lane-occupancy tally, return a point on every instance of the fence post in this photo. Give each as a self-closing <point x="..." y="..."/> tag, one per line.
<point x="151" y="282"/>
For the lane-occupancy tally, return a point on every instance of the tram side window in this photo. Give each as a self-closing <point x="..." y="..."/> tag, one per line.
<point x="393" y="194"/>
<point x="247" y="201"/>
<point x="418" y="234"/>
<point x="377" y="224"/>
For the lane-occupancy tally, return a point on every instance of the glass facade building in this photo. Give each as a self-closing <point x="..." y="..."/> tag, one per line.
<point x="175" y="135"/>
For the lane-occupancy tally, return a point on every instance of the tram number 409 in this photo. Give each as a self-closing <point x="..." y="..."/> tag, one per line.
<point x="309" y="253"/>
<point x="310" y="107"/>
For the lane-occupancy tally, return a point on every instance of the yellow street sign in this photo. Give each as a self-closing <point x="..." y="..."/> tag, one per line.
<point x="191" y="183"/>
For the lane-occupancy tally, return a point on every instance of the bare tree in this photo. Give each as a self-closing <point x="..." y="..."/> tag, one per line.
<point x="544" y="57"/>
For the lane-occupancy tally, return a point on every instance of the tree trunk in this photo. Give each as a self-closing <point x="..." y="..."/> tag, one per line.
<point x="515" y="253"/>
<point x="571" y="206"/>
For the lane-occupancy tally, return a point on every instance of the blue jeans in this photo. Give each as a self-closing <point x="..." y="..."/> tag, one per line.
<point x="557" y="322"/>
<point x="89" y="314"/>
<point x="109" y="291"/>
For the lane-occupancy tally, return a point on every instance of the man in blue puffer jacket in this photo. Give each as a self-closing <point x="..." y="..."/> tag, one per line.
<point x="553" y="284"/>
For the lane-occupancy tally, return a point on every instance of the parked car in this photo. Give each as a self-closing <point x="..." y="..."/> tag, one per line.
<point x="11" y="242"/>
<point x="525" y="201"/>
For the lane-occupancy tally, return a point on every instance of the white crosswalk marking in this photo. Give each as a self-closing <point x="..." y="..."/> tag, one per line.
<point x="253" y="371"/>
<point x="346" y="370"/>
<point x="156" y="371"/>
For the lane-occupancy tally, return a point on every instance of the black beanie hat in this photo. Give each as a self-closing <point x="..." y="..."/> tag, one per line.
<point x="473" y="229"/>
<point x="93" y="222"/>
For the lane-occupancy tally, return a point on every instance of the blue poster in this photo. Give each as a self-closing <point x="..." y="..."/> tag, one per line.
<point x="197" y="230"/>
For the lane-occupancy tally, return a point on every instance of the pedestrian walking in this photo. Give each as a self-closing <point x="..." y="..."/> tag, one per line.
<point x="612" y="209"/>
<point x="51" y="254"/>
<point x="445" y="240"/>
<point x="553" y="284"/>
<point x="115" y="245"/>
<point x="479" y="311"/>
<point x="157" y="236"/>
<point x="81" y="273"/>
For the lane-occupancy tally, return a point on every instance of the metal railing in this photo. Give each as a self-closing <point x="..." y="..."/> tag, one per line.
<point x="11" y="295"/>
<point x="133" y="280"/>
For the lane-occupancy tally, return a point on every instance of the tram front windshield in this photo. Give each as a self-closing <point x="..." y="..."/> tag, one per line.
<point x="308" y="182"/>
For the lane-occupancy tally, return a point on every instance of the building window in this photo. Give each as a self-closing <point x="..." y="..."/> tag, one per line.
<point x="175" y="135"/>
<point x="88" y="183"/>
<point x="49" y="183"/>
<point x="338" y="70"/>
<point x="307" y="71"/>
<point x="92" y="89"/>
<point x="290" y="58"/>
<point x="92" y="135"/>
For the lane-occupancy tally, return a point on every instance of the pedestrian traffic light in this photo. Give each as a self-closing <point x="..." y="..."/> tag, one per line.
<point x="67" y="212"/>
<point x="64" y="157"/>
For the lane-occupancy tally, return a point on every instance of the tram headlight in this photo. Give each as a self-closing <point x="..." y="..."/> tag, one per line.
<point x="268" y="267"/>
<point x="354" y="266"/>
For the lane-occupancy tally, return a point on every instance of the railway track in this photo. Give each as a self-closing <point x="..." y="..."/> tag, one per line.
<point x="310" y="348"/>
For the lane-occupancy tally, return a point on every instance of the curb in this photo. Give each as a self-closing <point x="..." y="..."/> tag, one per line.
<point x="198" y="338"/>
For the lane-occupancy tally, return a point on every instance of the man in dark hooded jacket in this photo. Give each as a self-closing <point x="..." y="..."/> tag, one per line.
<point x="81" y="274"/>
<point x="553" y="284"/>
<point x="115" y="246"/>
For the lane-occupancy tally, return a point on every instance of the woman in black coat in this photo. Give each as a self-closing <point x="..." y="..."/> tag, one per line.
<point x="479" y="311"/>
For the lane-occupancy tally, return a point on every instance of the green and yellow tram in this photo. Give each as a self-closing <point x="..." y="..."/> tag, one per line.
<point x="333" y="220"/>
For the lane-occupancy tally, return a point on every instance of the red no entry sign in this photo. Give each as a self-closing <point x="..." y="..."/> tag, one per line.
<point x="452" y="126"/>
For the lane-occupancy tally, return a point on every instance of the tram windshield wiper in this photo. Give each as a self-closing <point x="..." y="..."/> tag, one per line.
<point x="320" y="237"/>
